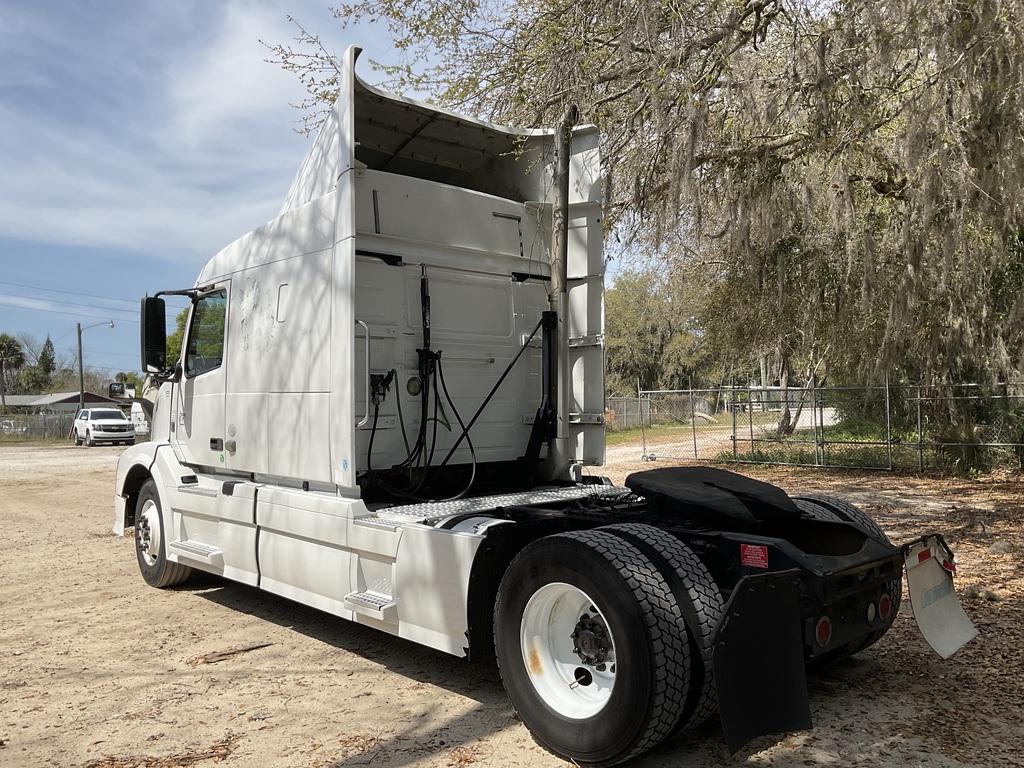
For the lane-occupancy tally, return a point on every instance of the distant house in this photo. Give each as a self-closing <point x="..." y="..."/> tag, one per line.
<point x="55" y="402"/>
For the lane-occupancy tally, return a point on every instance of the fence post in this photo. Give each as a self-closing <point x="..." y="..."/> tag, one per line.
<point x="821" y="423"/>
<point x="640" y="415"/>
<point x="920" y="434"/>
<point x="888" y="422"/>
<point x="814" y="419"/>
<point x="750" y="419"/>
<point x="693" y="419"/>
<point x="732" y="407"/>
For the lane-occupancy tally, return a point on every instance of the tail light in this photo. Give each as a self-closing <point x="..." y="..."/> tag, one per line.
<point x="885" y="607"/>
<point x="823" y="631"/>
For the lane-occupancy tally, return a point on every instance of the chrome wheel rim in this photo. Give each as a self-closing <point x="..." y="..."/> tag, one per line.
<point x="147" y="532"/>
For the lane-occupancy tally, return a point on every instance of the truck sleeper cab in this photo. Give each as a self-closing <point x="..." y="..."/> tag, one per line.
<point x="384" y="403"/>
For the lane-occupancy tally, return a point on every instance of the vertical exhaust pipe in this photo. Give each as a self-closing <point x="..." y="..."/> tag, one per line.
<point x="560" y="210"/>
<point x="559" y="379"/>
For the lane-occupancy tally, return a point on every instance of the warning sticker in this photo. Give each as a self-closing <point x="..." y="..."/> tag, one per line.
<point x="754" y="555"/>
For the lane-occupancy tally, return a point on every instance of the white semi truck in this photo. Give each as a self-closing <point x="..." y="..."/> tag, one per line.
<point x="384" y="407"/>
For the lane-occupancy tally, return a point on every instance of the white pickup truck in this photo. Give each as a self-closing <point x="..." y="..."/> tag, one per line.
<point x="384" y="407"/>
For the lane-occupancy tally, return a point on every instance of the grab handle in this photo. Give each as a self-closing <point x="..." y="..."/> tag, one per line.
<point x="366" y="414"/>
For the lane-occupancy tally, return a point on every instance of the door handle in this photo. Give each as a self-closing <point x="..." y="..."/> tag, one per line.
<point x="216" y="444"/>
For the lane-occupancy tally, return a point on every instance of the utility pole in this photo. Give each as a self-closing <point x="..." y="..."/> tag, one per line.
<point x="81" y="367"/>
<point x="81" y="373"/>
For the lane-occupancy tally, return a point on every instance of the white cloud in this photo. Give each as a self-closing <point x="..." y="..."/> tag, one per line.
<point x="229" y="84"/>
<point x="28" y="303"/>
<point x="204" y="151"/>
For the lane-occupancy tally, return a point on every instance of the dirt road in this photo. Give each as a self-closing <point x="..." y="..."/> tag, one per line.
<point x="97" y="669"/>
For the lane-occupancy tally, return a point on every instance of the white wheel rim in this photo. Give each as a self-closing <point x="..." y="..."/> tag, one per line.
<point x="574" y="677"/>
<point x="147" y="532"/>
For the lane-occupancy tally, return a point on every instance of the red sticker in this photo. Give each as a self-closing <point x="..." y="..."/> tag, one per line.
<point x="754" y="555"/>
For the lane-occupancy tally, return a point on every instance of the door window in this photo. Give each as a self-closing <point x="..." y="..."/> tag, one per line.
<point x="206" y="334"/>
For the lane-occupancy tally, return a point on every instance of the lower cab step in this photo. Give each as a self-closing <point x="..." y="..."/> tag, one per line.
<point x="194" y="550"/>
<point x="373" y="604"/>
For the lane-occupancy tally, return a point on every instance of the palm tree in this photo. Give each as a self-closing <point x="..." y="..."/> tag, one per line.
<point x="12" y="357"/>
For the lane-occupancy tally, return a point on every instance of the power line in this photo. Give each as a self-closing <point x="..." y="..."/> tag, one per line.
<point x="170" y="326"/>
<point x="72" y="293"/>
<point x="72" y="314"/>
<point x="58" y="290"/>
<point x="118" y="354"/>
<point x="63" y="301"/>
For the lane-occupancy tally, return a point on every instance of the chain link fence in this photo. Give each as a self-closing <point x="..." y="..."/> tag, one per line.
<point x="949" y="427"/>
<point x="35" y="426"/>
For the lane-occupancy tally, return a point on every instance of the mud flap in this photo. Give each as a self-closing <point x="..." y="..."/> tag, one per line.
<point x="937" y="610"/>
<point x="759" y="660"/>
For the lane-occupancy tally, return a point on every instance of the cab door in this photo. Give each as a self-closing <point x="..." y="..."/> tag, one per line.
<point x="197" y="425"/>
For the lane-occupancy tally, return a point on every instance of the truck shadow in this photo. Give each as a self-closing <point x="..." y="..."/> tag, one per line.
<point x="479" y="731"/>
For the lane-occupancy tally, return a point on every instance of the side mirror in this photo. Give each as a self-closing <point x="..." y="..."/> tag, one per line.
<point x="154" y="335"/>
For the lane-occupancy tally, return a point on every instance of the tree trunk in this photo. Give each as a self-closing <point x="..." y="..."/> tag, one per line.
<point x="764" y="382"/>
<point x="785" y="427"/>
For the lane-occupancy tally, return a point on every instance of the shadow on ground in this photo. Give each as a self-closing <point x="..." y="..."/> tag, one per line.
<point x="480" y="683"/>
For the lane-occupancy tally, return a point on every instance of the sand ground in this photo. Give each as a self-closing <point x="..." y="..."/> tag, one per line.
<point x="97" y="669"/>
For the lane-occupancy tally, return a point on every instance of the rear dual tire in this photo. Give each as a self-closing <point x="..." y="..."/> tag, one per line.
<point x="592" y="643"/>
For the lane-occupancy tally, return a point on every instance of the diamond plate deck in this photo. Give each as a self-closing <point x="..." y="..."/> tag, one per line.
<point x="433" y="509"/>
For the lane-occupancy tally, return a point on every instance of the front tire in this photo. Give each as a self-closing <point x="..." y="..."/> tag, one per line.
<point x="590" y="647"/>
<point x="150" y="542"/>
<point x="89" y="442"/>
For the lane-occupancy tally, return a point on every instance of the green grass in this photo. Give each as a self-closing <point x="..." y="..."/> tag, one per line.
<point x="622" y="436"/>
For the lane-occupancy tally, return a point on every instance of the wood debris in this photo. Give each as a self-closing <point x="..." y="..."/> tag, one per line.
<point x="216" y="752"/>
<point x="215" y="657"/>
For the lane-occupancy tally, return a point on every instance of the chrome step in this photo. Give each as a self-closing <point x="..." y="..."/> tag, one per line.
<point x="374" y="604"/>
<point x="194" y="550"/>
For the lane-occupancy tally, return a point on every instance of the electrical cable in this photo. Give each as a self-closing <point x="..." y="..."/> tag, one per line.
<point x="401" y="419"/>
<point x="480" y="410"/>
<point x="465" y="431"/>
<point x="373" y="432"/>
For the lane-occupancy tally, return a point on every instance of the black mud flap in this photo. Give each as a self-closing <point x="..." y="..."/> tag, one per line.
<point x="759" y="660"/>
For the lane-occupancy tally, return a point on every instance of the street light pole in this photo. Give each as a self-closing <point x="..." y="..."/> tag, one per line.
<point x="81" y="367"/>
<point x="81" y="373"/>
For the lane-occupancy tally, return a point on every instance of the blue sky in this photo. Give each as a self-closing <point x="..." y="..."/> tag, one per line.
<point x="136" y="140"/>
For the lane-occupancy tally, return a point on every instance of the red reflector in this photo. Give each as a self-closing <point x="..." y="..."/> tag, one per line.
<point x="823" y="631"/>
<point x="754" y="555"/>
<point x="923" y="555"/>
<point x="885" y="607"/>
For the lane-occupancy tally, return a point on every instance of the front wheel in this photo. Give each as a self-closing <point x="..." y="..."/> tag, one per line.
<point x="150" y="544"/>
<point x="590" y="646"/>
<point x="88" y="439"/>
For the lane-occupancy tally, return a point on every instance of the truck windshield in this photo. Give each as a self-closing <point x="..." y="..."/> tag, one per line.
<point x="108" y="414"/>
